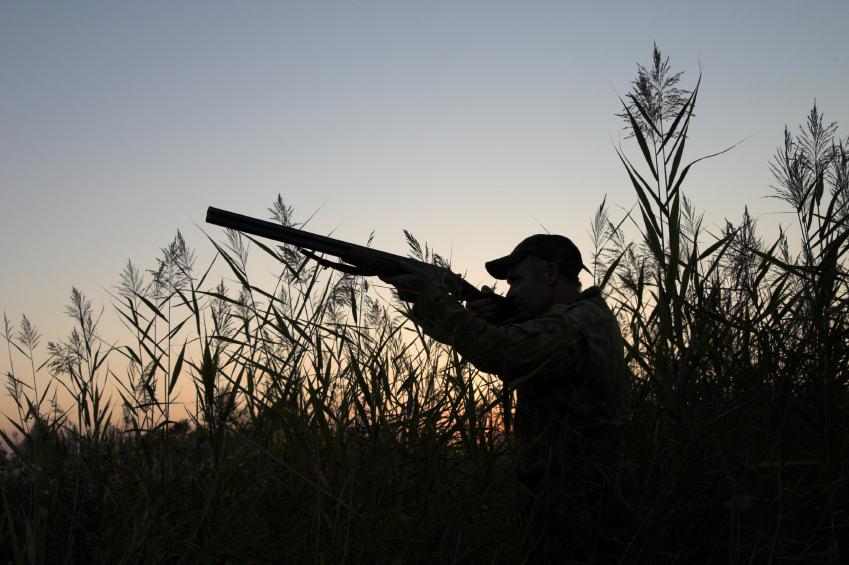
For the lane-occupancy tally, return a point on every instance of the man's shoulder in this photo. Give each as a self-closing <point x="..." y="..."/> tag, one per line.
<point x="589" y="306"/>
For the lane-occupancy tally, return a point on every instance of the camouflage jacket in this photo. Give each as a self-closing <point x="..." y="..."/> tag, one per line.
<point x="568" y="365"/>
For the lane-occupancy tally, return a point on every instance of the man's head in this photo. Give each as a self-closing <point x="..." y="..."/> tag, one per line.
<point x="542" y="271"/>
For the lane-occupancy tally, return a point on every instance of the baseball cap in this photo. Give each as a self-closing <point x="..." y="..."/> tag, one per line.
<point x="554" y="248"/>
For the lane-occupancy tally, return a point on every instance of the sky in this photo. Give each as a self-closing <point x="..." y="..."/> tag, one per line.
<point x="470" y="124"/>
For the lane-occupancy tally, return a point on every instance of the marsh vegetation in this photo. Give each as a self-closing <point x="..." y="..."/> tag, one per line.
<point x="322" y="427"/>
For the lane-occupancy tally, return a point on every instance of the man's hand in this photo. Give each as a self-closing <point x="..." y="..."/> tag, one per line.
<point x="485" y="307"/>
<point x="411" y="284"/>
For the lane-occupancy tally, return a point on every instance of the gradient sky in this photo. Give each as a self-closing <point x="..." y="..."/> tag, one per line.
<point x="467" y="123"/>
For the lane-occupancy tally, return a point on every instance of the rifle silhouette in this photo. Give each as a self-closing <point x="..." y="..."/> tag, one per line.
<point x="356" y="259"/>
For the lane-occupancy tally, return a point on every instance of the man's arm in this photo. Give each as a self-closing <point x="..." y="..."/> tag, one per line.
<point x="510" y="351"/>
<point x="485" y="307"/>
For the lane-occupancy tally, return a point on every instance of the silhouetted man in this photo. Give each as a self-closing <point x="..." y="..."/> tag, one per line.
<point x="563" y="351"/>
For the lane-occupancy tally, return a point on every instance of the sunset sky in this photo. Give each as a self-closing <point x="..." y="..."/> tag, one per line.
<point x="470" y="124"/>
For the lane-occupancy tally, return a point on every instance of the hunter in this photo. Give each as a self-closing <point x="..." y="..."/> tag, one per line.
<point x="563" y="353"/>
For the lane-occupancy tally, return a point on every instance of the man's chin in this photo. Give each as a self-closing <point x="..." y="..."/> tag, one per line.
<point x="524" y="316"/>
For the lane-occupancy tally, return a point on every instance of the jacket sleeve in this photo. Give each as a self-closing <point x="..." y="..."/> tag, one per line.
<point x="548" y="342"/>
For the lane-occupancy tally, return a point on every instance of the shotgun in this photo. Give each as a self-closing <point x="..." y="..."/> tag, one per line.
<point x="355" y="259"/>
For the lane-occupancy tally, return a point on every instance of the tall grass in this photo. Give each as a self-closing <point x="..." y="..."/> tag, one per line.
<point x="739" y="352"/>
<point x="323" y="427"/>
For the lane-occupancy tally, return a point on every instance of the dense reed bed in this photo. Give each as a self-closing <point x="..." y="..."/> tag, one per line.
<point x="323" y="427"/>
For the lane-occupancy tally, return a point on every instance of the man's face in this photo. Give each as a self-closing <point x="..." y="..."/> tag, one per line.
<point x="531" y="288"/>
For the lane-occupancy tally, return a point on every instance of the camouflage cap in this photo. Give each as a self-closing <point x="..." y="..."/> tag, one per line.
<point x="554" y="248"/>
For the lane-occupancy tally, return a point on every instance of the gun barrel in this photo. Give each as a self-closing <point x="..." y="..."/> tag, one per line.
<point x="276" y="232"/>
<point x="348" y="252"/>
<point x="371" y="261"/>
